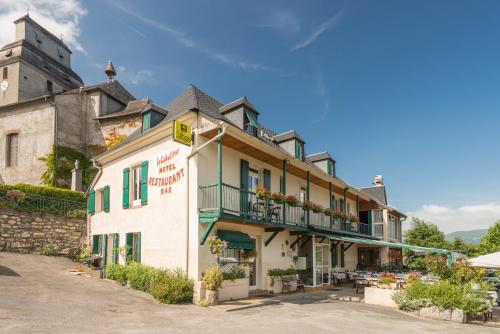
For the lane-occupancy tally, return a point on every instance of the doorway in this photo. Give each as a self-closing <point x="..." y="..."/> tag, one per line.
<point x="368" y="258"/>
<point x="252" y="269"/>
<point x="321" y="264"/>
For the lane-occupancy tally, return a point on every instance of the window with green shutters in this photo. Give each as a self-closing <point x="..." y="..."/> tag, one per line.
<point x="126" y="195"/>
<point x="267" y="179"/>
<point x="91" y="203"/>
<point x="104" y="249"/>
<point x="244" y="173"/>
<point x="146" y="121"/>
<point x="299" y="150"/>
<point x="105" y="194"/>
<point x="116" y="245"/>
<point x="334" y="256"/>
<point x="133" y="246"/>
<point x="144" y="183"/>
<point x="96" y="244"/>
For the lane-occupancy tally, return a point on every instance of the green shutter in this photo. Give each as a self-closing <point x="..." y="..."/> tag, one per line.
<point x="106" y="198"/>
<point x="138" y="255"/>
<point x="146" y="121"/>
<point x="116" y="245"/>
<point x="104" y="249"/>
<point x="329" y="167"/>
<point x="267" y="179"/>
<point x="95" y="244"/>
<point x="144" y="182"/>
<point x="244" y="187"/>
<point x="129" y="237"/>
<point x="126" y="196"/>
<point x="342" y="256"/>
<point x="297" y="149"/>
<point x="91" y="202"/>
<point x="334" y="256"/>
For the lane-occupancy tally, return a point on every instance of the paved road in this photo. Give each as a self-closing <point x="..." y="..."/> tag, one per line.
<point x="39" y="295"/>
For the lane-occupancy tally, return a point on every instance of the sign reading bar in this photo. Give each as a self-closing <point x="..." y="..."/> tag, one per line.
<point x="182" y="133"/>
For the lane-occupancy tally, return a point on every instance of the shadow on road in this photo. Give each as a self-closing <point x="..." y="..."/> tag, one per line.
<point x="6" y="271"/>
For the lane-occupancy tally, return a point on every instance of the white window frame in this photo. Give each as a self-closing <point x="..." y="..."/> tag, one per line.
<point x="135" y="184"/>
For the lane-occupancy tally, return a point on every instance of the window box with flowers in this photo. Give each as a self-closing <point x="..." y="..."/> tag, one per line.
<point x="292" y="200"/>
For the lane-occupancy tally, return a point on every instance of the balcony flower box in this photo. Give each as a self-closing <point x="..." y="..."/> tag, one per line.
<point x="231" y="290"/>
<point x="292" y="200"/>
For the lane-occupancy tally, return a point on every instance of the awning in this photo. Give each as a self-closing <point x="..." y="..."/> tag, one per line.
<point x="384" y="243"/>
<point x="486" y="261"/>
<point x="252" y="118"/>
<point x="236" y="240"/>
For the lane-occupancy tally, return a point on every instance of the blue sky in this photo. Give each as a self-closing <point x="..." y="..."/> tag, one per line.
<point x="409" y="90"/>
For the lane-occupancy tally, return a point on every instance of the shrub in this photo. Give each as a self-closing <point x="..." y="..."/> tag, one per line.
<point x="236" y="272"/>
<point x="406" y="303"/>
<point x="212" y="278"/>
<point x="46" y="191"/>
<point x="282" y="272"/>
<point x="172" y="287"/>
<point x="48" y="250"/>
<point x="141" y="276"/>
<point x="116" y="272"/>
<point x="77" y="213"/>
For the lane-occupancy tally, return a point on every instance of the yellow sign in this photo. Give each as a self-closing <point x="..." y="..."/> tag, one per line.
<point x="182" y="133"/>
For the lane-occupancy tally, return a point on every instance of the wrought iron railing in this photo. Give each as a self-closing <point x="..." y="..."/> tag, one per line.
<point x="36" y="203"/>
<point x="378" y="230"/>
<point x="246" y="204"/>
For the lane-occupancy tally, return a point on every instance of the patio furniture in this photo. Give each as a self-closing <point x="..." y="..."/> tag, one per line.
<point x="300" y="285"/>
<point x="361" y="283"/>
<point x="289" y="283"/>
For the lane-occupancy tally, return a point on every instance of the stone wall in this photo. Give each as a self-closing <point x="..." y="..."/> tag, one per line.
<point x="27" y="232"/>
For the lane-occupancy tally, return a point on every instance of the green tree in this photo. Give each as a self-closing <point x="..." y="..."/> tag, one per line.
<point x="490" y="242"/>
<point x="424" y="234"/>
<point x="459" y="245"/>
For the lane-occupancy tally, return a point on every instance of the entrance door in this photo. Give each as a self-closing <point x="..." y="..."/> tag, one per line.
<point x="252" y="271"/>
<point x="322" y="271"/>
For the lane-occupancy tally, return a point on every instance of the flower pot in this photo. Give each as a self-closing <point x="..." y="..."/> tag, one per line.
<point x="212" y="297"/>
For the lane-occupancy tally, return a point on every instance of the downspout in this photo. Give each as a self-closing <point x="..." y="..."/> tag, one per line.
<point x="193" y="153"/>
<point x="56" y="158"/>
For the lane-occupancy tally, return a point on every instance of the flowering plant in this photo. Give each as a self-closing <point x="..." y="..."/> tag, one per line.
<point x="352" y="218"/>
<point x="308" y="205"/>
<point x="328" y="212"/>
<point x="292" y="200"/>
<point x="316" y="208"/>
<point x="217" y="246"/>
<point x="278" y="198"/>
<point x="339" y="214"/>
<point x="413" y="277"/>
<point x="386" y="278"/>
<point x="263" y="193"/>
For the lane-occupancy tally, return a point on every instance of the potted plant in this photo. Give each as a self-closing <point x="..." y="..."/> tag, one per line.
<point x="316" y="208"/>
<point x="217" y="246"/>
<point x="278" y="198"/>
<point x="212" y="280"/>
<point x="249" y="254"/>
<point x="292" y="200"/>
<point x="307" y="205"/>
<point x="262" y="193"/>
<point x="387" y="281"/>
<point x="328" y="212"/>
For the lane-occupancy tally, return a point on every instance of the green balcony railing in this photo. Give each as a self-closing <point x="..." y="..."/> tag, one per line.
<point x="246" y="204"/>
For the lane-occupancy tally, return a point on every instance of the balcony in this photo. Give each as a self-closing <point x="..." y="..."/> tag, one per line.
<point x="378" y="230"/>
<point x="247" y="206"/>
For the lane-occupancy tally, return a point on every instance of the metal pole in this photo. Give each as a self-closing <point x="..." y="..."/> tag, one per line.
<point x="219" y="171"/>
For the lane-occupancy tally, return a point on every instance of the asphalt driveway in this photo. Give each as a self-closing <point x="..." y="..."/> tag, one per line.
<point x="38" y="294"/>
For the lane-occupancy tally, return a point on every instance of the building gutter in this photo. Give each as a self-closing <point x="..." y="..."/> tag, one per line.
<point x="192" y="154"/>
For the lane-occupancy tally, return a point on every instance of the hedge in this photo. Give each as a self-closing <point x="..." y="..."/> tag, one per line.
<point x="46" y="191"/>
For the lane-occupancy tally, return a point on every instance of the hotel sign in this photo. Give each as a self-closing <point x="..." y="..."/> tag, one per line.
<point x="182" y="133"/>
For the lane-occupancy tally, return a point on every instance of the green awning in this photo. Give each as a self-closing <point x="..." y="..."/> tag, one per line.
<point x="384" y="243"/>
<point x="252" y="118"/>
<point x="236" y="240"/>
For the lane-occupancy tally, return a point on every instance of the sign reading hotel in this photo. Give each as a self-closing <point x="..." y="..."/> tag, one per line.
<point x="169" y="173"/>
<point x="182" y="133"/>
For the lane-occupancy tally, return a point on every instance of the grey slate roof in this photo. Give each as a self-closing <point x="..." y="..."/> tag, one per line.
<point x="287" y="136"/>
<point x="135" y="107"/>
<point x="112" y="88"/>
<point x="377" y="192"/>
<point x="241" y="101"/>
<point x="45" y="31"/>
<point x="319" y="157"/>
<point x="193" y="98"/>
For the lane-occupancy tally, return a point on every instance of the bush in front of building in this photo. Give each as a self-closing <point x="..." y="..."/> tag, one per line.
<point x="45" y="191"/>
<point x="166" y="286"/>
<point x="172" y="287"/>
<point x="212" y="278"/>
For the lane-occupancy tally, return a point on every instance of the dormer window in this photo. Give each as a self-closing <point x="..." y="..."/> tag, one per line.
<point x="299" y="150"/>
<point x="250" y="124"/>
<point x="331" y="168"/>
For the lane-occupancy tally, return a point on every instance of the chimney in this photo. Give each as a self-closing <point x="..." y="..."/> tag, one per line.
<point x="76" y="177"/>
<point x="378" y="180"/>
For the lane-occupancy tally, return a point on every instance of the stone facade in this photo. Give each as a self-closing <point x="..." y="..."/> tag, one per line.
<point x="28" y="232"/>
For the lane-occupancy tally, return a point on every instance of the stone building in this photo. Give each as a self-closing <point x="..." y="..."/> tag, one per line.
<point x="44" y="103"/>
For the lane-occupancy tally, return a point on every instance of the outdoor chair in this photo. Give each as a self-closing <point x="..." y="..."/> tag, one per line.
<point x="361" y="283"/>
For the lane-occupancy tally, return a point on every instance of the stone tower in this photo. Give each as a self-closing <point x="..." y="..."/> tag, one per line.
<point x="37" y="63"/>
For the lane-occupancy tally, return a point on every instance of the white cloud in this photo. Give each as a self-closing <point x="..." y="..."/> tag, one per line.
<point x="463" y="218"/>
<point x="283" y="21"/>
<point x="135" y="77"/>
<point x="182" y="38"/>
<point x="57" y="16"/>
<point x="332" y="21"/>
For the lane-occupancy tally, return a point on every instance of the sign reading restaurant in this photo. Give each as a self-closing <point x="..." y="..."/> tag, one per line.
<point x="182" y="133"/>
<point x="168" y="172"/>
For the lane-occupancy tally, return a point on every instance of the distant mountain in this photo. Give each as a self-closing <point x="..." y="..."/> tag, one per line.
<point x="473" y="236"/>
